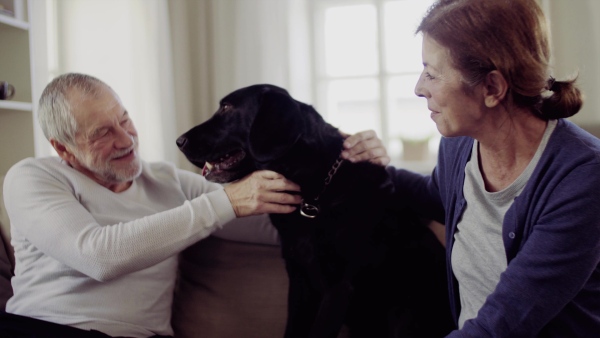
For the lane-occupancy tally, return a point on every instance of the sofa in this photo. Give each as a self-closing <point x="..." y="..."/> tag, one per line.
<point x="224" y="289"/>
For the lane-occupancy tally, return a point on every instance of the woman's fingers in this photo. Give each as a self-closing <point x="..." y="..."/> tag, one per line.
<point x="365" y="146"/>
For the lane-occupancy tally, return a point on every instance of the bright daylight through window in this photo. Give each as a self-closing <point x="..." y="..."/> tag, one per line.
<point x="368" y="62"/>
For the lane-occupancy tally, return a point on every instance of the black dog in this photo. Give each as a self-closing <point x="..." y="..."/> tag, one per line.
<point x="352" y="254"/>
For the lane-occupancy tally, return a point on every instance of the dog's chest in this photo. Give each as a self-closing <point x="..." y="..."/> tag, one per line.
<point x="334" y="235"/>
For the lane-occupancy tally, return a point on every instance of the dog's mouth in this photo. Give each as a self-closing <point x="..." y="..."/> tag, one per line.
<point x="224" y="163"/>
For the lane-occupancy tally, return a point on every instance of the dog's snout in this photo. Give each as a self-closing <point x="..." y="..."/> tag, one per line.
<point x="181" y="141"/>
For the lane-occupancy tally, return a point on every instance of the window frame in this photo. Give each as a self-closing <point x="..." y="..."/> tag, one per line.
<point x="383" y="77"/>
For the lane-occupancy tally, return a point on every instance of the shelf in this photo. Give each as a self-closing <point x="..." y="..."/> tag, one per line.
<point x="16" y="105"/>
<point x="17" y="128"/>
<point x="10" y="21"/>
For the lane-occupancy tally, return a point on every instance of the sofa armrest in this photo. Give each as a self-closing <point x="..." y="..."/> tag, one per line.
<point x="230" y="289"/>
<point x="7" y="260"/>
<point x="5" y="276"/>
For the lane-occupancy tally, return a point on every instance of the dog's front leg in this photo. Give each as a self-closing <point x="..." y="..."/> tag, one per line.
<point x="332" y="311"/>
<point x="303" y="302"/>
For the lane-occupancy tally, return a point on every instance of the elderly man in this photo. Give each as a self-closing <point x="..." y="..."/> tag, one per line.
<point x="96" y="231"/>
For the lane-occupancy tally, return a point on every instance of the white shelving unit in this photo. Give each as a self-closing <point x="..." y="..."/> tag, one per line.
<point x="16" y="115"/>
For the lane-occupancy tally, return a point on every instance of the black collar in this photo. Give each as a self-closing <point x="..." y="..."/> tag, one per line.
<point x="311" y="210"/>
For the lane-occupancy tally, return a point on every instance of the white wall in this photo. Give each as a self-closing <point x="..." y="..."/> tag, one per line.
<point x="575" y="31"/>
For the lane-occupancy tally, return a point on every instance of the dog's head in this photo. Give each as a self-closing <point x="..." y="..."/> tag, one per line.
<point x="253" y="128"/>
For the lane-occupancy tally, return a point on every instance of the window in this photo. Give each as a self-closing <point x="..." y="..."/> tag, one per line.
<point x="368" y="60"/>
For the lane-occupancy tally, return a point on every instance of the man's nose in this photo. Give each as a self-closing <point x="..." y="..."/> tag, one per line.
<point x="124" y="139"/>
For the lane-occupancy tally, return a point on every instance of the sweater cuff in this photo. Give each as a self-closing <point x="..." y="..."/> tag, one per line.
<point x="221" y="205"/>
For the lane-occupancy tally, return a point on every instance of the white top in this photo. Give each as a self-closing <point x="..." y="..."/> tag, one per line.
<point x="94" y="259"/>
<point x="478" y="255"/>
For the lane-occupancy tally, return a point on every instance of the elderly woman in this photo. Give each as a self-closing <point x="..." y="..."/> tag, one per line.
<point x="516" y="185"/>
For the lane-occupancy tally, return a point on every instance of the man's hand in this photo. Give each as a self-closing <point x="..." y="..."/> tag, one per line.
<point x="365" y="146"/>
<point x="263" y="192"/>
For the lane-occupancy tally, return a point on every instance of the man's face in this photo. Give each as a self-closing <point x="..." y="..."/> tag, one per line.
<point x="106" y="143"/>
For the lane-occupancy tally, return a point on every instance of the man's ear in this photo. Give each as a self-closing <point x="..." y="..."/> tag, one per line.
<point x="494" y="89"/>
<point x="277" y="126"/>
<point x="62" y="151"/>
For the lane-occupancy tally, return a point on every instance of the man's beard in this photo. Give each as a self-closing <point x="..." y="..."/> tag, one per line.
<point x="104" y="169"/>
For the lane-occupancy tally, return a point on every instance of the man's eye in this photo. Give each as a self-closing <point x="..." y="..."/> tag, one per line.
<point x="101" y="133"/>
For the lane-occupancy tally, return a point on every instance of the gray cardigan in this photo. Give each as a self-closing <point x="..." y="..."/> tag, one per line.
<point x="551" y="233"/>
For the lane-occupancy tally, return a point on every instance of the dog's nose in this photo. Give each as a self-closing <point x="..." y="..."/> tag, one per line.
<point x="181" y="141"/>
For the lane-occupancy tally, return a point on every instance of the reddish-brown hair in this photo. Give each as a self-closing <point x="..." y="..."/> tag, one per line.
<point x="505" y="35"/>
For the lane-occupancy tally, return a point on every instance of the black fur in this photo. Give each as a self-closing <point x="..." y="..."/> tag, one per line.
<point x="364" y="261"/>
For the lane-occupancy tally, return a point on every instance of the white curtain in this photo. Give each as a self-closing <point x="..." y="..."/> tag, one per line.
<point x="171" y="61"/>
<point x="219" y="46"/>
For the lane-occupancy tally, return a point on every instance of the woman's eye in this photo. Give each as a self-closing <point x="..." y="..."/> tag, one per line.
<point x="429" y="76"/>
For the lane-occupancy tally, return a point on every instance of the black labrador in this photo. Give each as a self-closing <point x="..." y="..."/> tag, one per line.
<point x="354" y="257"/>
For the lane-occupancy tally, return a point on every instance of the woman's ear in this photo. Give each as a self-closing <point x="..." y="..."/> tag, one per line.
<point x="494" y="89"/>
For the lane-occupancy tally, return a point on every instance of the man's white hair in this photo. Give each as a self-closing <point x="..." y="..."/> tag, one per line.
<point x="54" y="114"/>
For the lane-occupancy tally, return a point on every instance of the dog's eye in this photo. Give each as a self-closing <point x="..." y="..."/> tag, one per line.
<point x="225" y="107"/>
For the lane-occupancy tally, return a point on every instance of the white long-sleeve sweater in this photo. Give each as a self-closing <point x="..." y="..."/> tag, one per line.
<point x="95" y="259"/>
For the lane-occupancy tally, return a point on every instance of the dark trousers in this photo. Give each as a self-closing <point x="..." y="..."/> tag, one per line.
<point x="16" y="326"/>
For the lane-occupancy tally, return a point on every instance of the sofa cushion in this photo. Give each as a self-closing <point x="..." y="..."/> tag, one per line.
<point x="6" y="252"/>
<point x="230" y="289"/>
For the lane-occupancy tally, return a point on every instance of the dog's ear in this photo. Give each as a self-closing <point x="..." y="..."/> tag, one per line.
<point x="277" y="126"/>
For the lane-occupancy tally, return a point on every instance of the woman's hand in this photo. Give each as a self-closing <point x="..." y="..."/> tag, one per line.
<point x="365" y="146"/>
<point x="263" y="192"/>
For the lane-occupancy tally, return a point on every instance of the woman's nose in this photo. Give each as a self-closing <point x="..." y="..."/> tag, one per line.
<point x="419" y="90"/>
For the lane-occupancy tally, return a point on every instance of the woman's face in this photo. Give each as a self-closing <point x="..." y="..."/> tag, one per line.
<point x="454" y="111"/>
